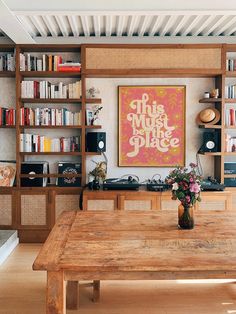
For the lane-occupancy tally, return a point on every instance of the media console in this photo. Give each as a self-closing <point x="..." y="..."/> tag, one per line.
<point x="152" y="200"/>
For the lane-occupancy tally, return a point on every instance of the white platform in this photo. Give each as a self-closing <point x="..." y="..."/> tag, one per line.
<point x="8" y="241"/>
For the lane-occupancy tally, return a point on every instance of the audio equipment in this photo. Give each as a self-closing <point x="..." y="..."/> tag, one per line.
<point x="157" y="185"/>
<point x="96" y="142"/>
<point x="129" y="183"/>
<point x="211" y="142"/>
<point x="211" y="184"/>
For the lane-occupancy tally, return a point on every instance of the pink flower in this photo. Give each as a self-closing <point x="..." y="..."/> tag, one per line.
<point x="194" y="188"/>
<point x="191" y="179"/>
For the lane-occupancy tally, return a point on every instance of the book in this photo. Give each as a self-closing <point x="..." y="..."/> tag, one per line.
<point x="34" y="167"/>
<point x="7" y="173"/>
<point x="65" y="167"/>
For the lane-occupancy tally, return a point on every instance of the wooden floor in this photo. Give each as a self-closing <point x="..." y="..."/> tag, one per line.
<point x="22" y="291"/>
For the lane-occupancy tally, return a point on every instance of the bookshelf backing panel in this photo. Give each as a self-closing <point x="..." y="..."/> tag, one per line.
<point x="155" y="58"/>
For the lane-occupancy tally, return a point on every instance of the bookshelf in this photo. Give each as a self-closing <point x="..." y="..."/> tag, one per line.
<point x="33" y="221"/>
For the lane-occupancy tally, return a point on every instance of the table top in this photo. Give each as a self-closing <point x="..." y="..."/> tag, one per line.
<point x="139" y="241"/>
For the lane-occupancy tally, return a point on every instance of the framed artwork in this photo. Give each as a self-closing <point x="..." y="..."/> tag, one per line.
<point x="89" y="116"/>
<point x="7" y="173"/>
<point x="151" y="126"/>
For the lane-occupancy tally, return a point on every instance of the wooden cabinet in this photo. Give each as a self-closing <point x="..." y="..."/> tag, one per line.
<point x="146" y="200"/>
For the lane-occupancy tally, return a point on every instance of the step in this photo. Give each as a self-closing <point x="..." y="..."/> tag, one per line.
<point x="8" y="241"/>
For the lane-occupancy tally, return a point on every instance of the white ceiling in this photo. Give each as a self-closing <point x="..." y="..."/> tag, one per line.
<point x="28" y="21"/>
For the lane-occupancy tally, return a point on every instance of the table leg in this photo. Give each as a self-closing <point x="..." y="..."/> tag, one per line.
<point x="72" y="295"/>
<point x="55" y="293"/>
<point x="96" y="290"/>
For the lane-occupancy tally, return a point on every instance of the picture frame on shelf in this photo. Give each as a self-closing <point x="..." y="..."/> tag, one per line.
<point x="7" y="173"/>
<point x="150" y="135"/>
<point x="89" y="117"/>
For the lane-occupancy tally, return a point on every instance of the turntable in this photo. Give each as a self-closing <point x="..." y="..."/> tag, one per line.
<point x="129" y="183"/>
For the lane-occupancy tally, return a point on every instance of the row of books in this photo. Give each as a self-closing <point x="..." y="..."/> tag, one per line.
<point x="230" y="91"/>
<point x="7" y="62"/>
<point x="7" y="116"/>
<point x="39" y="143"/>
<point x="50" y="62"/>
<point x="230" y="117"/>
<point x="49" y="117"/>
<point x="230" y="143"/>
<point x="230" y="64"/>
<point x="45" y="89"/>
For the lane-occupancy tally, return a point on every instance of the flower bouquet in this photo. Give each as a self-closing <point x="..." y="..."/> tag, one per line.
<point x="186" y="187"/>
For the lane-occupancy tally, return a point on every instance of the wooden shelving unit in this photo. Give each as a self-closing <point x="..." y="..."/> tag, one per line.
<point x="54" y="199"/>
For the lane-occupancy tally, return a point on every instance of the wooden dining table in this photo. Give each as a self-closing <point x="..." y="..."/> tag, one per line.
<point x="124" y="245"/>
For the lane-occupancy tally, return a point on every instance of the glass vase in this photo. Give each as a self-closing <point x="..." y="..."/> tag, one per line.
<point x="185" y="217"/>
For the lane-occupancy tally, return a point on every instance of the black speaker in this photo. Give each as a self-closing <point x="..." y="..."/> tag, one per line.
<point x="211" y="142"/>
<point x="96" y="142"/>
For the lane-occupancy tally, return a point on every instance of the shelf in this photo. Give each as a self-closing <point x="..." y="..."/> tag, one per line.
<point x="161" y="72"/>
<point x="210" y="100"/>
<point x="92" y="153"/>
<point x="210" y="126"/>
<point x="230" y="100"/>
<point x="49" y="74"/>
<point x="229" y="153"/>
<point x="211" y="153"/>
<point x="93" y="126"/>
<point x="230" y="73"/>
<point x="50" y="153"/>
<point x="50" y="127"/>
<point x="230" y="127"/>
<point x="229" y="175"/>
<point x="7" y="73"/>
<point x="93" y="100"/>
<point x="50" y="187"/>
<point x="51" y="175"/>
<point x="51" y="100"/>
<point x="7" y="126"/>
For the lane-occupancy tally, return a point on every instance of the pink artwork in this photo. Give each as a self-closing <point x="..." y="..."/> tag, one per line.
<point x="151" y="126"/>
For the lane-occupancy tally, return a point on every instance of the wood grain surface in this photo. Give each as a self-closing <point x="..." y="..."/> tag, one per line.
<point x="139" y="241"/>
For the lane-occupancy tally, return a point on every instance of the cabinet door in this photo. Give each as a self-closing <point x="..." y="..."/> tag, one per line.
<point x="33" y="212"/>
<point x="6" y="210"/>
<point x="66" y="202"/>
<point x="219" y="201"/>
<point x="136" y="202"/>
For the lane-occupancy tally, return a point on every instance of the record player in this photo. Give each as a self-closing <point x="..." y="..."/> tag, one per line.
<point x="129" y="183"/>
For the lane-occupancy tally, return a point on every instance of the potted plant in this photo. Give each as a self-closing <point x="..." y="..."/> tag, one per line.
<point x="186" y="187"/>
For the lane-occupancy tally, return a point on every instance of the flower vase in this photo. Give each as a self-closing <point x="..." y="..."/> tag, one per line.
<point x="185" y="217"/>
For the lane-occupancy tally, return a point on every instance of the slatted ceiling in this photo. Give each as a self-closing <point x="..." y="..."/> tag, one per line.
<point x="75" y="24"/>
<point x="229" y="28"/>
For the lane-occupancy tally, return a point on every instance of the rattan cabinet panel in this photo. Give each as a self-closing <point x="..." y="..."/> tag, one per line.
<point x="34" y="210"/>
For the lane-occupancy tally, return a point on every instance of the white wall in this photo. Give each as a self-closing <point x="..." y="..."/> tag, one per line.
<point x="195" y="87"/>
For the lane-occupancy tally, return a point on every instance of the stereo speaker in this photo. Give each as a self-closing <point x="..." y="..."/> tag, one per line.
<point x="96" y="142"/>
<point x="211" y="142"/>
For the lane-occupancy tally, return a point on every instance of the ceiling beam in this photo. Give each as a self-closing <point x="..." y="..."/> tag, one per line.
<point x="73" y="25"/>
<point x="191" y="25"/>
<point x="85" y="25"/>
<point x="48" y="20"/>
<point x="12" y="27"/>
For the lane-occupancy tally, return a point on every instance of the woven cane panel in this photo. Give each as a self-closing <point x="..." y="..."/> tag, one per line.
<point x="169" y="205"/>
<point x="5" y="210"/>
<point x="137" y="205"/>
<point x="101" y="205"/>
<point x="233" y="201"/>
<point x="146" y="58"/>
<point x="33" y="210"/>
<point x="209" y="205"/>
<point x="66" y="202"/>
